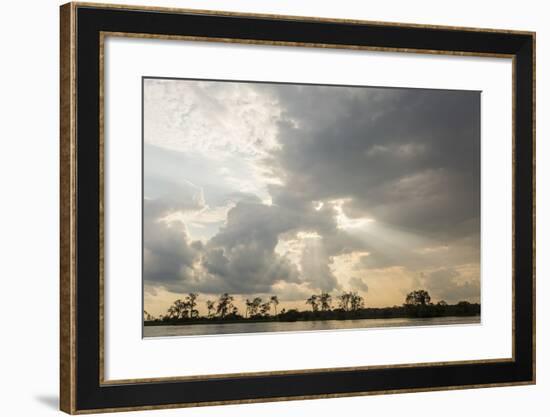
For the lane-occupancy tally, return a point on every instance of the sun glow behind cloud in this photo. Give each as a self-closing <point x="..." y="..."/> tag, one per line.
<point x="345" y="222"/>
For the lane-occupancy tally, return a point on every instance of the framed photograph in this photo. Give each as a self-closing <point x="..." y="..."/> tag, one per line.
<point x="265" y="208"/>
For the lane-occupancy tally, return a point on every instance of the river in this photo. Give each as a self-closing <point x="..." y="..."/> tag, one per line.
<point x="299" y="326"/>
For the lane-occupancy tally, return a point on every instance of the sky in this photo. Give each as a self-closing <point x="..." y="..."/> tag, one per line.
<point x="260" y="188"/>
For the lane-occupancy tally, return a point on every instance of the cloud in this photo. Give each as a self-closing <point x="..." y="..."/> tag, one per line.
<point x="425" y="174"/>
<point x="359" y="284"/>
<point x="163" y="197"/>
<point x="451" y="285"/>
<point x="291" y="291"/>
<point x="388" y="246"/>
<point x="315" y="268"/>
<point x="211" y="118"/>
<point x="242" y="254"/>
<point x="168" y="255"/>
<point x="264" y="185"/>
<point x="240" y="258"/>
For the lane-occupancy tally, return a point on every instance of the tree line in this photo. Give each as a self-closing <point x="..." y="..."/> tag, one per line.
<point x="347" y="305"/>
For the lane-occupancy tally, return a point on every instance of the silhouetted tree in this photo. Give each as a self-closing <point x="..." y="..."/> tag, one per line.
<point x="325" y="300"/>
<point x="312" y="301"/>
<point x="351" y="305"/>
<point x="350" y="301"/>
<point x="275" y="301"/>
<point x="344" y="301"/>
<point x="178" y="310"/>
<point x="254" y="306"/>
<point x="264" y="308"/>
<point x="191" y="303"/>
<point x="462" y="307"/>
<point x="210" y="305"/>
<point x="356" y="301"/>
<point x="418" y="298"/>
<point x="225" y="305"/>
<point x="441" y="307"/>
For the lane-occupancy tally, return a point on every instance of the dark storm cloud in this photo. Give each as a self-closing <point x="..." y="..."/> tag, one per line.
<point x="239" y="259"/>
<point x="242" y="255"/>
<point x="169" y="256"/>
<point x="406" y="157"/>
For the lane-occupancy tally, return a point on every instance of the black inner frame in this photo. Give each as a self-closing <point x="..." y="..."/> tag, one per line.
<point x="91" y="395"/>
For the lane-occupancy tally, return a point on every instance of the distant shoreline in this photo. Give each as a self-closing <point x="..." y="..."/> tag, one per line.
<point x="426" y="311"/>
<point x="190" y="323"/>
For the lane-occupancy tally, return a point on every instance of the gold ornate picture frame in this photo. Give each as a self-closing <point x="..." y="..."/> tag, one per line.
<point x="84" y="30"/>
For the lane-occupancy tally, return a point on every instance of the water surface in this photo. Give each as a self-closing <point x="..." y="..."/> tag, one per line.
<point x="299" y="326"/>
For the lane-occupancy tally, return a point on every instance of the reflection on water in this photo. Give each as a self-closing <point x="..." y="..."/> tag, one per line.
<point x="300" y="326"/>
